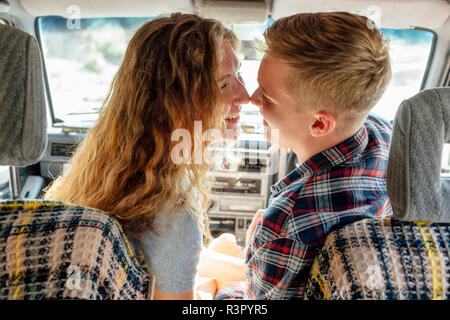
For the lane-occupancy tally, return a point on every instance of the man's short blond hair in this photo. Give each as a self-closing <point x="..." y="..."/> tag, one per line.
<point x="337" y="57"/>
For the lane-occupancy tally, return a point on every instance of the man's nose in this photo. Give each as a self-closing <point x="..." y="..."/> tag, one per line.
<point x="256" y="98"/>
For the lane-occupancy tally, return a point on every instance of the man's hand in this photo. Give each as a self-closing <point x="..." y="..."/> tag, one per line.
<point x="252" y="227"/>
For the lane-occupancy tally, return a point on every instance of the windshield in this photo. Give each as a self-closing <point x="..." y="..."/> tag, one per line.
<point x="82" y="61"/>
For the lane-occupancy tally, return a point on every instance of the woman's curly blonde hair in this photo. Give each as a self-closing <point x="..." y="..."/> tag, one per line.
<point x="166" y="82"/>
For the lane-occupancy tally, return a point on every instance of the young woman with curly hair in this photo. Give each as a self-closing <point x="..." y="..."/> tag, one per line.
<point x="176" y="71"/>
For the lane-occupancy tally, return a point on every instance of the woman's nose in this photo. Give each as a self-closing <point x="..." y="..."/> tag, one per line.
<point x="242" y="96"/>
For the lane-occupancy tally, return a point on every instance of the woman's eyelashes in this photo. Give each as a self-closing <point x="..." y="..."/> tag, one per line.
<point x="266" y="100"/>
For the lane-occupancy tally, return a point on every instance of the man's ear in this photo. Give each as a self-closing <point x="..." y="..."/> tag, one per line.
<point x="323" y="124"/>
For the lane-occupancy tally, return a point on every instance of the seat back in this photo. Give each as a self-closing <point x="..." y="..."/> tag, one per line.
<point x="405" y="257"/>
<point x="23" y="116"/>
<point x="54" y="250"/>
<point x="383" y="259"/>
<point x="22" y="103"/>
<point x="415" y="185"/>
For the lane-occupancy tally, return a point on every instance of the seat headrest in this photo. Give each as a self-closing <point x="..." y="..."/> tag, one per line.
<point x="22" y="104"/>
<point x="415" y="185"/>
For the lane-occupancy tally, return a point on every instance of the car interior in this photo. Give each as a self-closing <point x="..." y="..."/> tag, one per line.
<point x="57" y="60"/>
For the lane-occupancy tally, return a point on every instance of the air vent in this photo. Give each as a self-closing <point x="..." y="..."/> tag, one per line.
<point x="59" y="149"/>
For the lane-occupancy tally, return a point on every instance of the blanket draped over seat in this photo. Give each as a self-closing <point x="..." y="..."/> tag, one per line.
<point x="55" y="250"/>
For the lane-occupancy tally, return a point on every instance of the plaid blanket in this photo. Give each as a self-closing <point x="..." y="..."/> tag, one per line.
<point x="383" y="259"/>
<point x="229" y="293"/>
<point x="55" y="250"/>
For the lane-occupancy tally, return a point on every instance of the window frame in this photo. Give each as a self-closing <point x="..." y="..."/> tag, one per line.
<point x="430" y="56"/>
<point x="44" y="71"/>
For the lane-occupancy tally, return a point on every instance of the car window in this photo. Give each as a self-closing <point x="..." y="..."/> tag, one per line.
<point x="81" y="60"/>
<point x="409" y="52"/>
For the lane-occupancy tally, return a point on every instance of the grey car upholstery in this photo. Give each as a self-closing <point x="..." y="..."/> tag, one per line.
<point x="415" y="186"/>
<point x="22" y="100"/>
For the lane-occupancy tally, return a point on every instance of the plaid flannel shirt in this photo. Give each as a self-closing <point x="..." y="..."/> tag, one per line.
<point x="333" y="188"/>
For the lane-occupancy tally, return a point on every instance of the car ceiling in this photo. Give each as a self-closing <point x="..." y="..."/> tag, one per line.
<point x="429" y="14"/>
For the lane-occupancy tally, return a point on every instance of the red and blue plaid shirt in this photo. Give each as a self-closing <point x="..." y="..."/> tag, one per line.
<point x="336" y="187"/>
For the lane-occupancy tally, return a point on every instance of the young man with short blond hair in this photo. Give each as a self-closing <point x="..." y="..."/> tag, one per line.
<point x="320" y="76"/>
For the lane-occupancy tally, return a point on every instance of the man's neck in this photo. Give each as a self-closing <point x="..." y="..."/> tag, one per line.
<point x="318" y="145"/>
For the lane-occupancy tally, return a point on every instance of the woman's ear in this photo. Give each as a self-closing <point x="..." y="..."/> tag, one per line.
<point x="323" y="124"/>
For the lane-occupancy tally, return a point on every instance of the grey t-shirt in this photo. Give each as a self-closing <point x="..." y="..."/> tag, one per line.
<point x="173" y="256"/>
